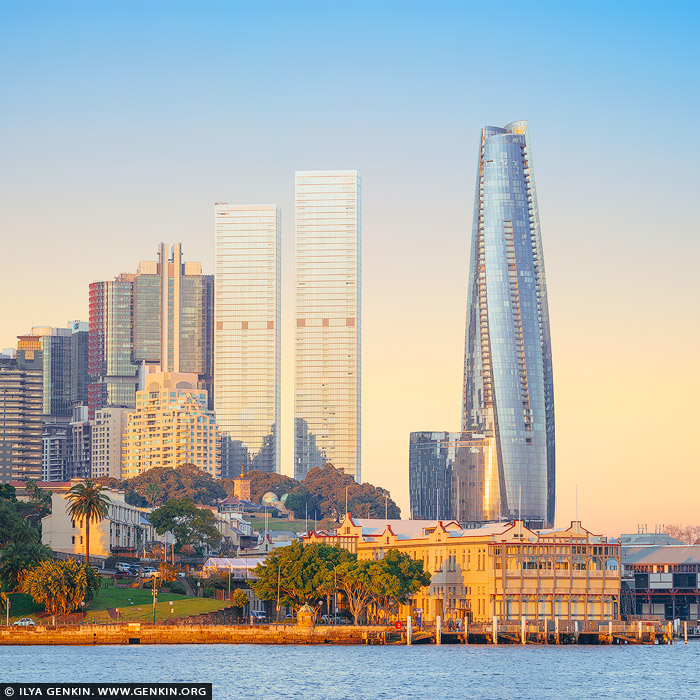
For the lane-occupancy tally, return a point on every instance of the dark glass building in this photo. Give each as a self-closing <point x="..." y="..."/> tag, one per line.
<point x="508" y="388"/>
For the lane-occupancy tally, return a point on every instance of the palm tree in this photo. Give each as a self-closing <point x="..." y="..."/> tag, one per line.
<point x="89" y="502"/>
<point x="152" y="493"/>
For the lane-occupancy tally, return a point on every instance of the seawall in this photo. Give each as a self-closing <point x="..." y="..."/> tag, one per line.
<point x="141" y="633"/>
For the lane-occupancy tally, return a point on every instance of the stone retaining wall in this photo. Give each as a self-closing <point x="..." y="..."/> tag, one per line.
<point x="141" y="633"/>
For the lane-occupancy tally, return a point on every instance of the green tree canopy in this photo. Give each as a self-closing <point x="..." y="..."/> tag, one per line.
<point x="60" y="585"/>
<point x="239" y="599"/>
<point x="396" y="578"/>
<point x="21" y="554"/>
<point x="262" y="482"/>
<point x="305" y="573"/>
<point x="189" y="524"/>
<point x="158" y="485"/>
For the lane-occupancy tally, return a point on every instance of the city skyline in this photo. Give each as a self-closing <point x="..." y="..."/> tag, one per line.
<point x="117" y="145"/>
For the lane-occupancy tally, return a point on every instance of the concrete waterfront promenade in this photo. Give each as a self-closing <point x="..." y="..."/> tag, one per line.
<point x="147" y="633"/>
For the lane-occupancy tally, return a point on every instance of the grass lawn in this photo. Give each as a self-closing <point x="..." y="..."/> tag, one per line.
<point x="276" y="524"/>
<point x="135" y="604"/>
<point x="22" y="605"/>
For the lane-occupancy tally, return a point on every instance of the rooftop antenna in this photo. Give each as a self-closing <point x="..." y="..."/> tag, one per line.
<point x="346" y="498"/>
<point x="386" y="507"/>
<point x="576" y="501"/>
<point x="520" y="501"/>
<point x="306" y="507"/>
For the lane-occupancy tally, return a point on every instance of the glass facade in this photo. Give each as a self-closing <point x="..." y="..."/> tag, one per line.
<point x="247" y="337"/>
<point x="508" y="386"/>
<point x="328" y="321"/>
<point x="431" y="462"/>
<point x="162" y="315"/>
<point x="110" y="363"/>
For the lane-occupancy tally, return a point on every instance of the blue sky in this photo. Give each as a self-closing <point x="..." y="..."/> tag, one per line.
<point x="124" y="123"/>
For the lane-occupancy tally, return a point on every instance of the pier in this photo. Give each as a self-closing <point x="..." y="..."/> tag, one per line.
<point x="534" y="632"/>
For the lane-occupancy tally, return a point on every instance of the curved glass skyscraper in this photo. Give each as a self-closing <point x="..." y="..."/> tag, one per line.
<point x="508" y="399"/>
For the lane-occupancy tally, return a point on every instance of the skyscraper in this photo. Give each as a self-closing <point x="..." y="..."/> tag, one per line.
<point x="20" y="414"/>
<point x="247" y="337"/>
<point x="161" y="315"/>
<point x="328" y="321"/>
<point x="508" y="388"/>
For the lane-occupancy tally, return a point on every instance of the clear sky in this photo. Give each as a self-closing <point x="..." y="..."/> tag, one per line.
<point x="123" y="122"/>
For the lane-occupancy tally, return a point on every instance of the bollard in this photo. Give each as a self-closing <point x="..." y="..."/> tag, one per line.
<point x="438" y="630"/>
<point x="556" y="630"/>
<point x="523" y="634"/>
<point x="495" y="630"/>
<point x="685" y="631"/>
<point x="408" y="630"/>
<point x="466" y="631"/>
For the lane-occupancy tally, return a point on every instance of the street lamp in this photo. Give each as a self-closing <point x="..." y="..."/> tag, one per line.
<point x="155" y="575"/>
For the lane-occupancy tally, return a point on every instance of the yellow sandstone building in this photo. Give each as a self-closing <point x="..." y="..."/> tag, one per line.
<point x="171" y="426"/>
<point x="504" y="570"/>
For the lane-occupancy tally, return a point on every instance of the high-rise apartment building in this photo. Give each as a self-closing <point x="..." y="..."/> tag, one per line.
<point x="170" y="426"/>
<point x="20" y="415"/>
<point x="107" y="429"/>
<point x="328" y="208"/>
<point x="161" y="315"/>
<point x="508" y="387"/>
<point x="247" y="337"/>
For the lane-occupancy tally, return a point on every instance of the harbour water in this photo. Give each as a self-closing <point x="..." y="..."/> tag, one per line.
<point x="256" y="672"/>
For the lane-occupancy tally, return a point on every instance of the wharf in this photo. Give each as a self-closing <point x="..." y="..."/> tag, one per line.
<point x="505" y="633"/>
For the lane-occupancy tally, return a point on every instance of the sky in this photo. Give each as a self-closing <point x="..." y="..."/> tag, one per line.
<point x="124" y="122"/>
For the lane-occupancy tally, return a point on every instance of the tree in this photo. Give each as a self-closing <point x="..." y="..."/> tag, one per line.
<point x="89" y="502"/>
<point x="396" y="578"/>
<point x="304" y="573"/>
<point x="303" y="504"/>
<point x="239" y="600"/>
<point x="61" y="586"/>
<point x="18" y="556"/>
<point x="9" y="519"/>
<point x="688" y="534"/>
<point x="190" y="525"/>
<point x="262" y="482"/>
<point x="357" y="581"/>
<point x="330" y="487"/>
<point x="184" y="481"/>
<point x="152" y="492"/>
<point x="8" y="492"/>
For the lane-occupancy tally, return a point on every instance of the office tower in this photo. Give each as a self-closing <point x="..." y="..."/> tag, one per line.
<point x="112" y="371"/>
<point x="20" y="415"/>
<point x="328" y="321"/>
<point x="160" y="315"/>
<point x="508" y="389"/>
<point x="65" y="372"/>
<point x="431" y="461"/>
<point x="170" y="426"/>
<point x="107" y="428"/>
<point x="247" y="337"/>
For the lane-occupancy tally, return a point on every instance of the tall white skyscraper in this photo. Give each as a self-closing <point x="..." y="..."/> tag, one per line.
<point x="328" y="321"/>
<point x="247" y="337"/>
